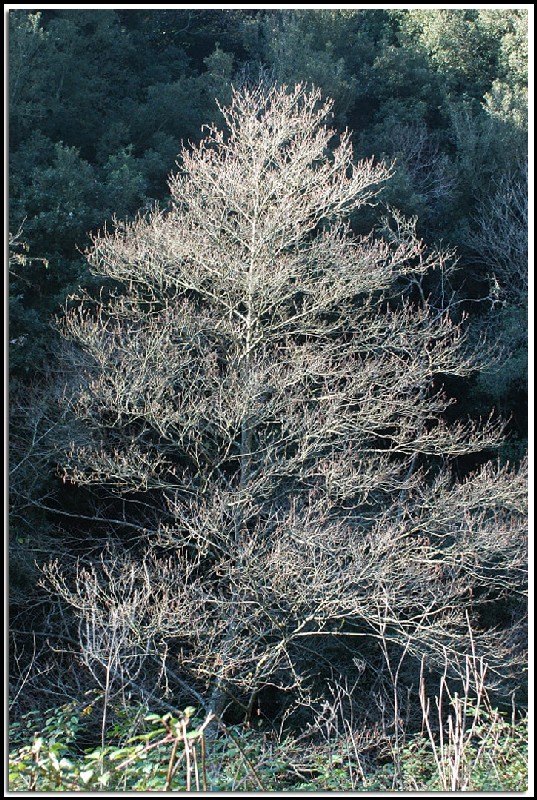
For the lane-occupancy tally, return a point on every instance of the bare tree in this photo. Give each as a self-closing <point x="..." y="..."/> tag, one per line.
<point x="417" y="151"/>
<point x="500" y="235"/>
<point x="270" y="410"/>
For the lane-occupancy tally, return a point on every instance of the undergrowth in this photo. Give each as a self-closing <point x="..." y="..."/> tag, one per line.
<point x="152" y="752"/>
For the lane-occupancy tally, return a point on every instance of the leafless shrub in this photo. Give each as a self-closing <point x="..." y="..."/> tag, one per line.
<point x="468" y="728"/>
<point x="419" y="153"/>
<point x="499" y="235"/>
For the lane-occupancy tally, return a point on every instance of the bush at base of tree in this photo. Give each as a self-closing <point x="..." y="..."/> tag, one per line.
<point x="148" y="752"/>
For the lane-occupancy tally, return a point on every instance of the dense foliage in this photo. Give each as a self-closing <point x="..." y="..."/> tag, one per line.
<point x="103" y="106"/>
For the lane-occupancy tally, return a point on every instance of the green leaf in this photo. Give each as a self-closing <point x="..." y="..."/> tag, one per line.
<point x="104" y="779"/>
<point x="94" y="755"/>
<point x="86" y="775"/>
<point x="144" y="737"/>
